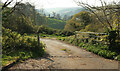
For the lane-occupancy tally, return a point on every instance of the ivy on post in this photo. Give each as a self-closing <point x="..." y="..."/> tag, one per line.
<point x="112" y="37"/>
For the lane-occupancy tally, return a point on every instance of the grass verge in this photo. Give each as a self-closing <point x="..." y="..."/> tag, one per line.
<point x="99" y="49"/>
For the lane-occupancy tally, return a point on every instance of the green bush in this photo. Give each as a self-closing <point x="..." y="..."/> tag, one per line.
<point x="50" y="31"/>
<point x="96" y="51"/>
<point x="117" y="57"/>
<point x="102" y="53"/>
<point x="71" y="40"/>
<point x="63" y="39"/>
<point x="81" y="44"/>
<point x="55" y="23"/>
<point x="22" y="46"/>
<point x="104" y="47"/>
<point x="13" y="41"/>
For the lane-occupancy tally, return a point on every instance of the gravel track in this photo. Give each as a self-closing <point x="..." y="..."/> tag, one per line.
<point x="65" y="56"/>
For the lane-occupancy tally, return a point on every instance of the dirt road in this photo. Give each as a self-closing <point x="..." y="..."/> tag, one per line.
<point x="65" y="56"/>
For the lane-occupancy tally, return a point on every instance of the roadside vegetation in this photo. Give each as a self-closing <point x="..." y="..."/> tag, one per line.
<point x="17" y="44"/>
<point x="100" y="21"/>
<point x="92" y="46"/>
<point x="23" y="25"/>
<point x="20" y="28"/>
<point x="56" y="23"/>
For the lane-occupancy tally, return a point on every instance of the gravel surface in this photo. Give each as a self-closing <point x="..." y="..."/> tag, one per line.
<point x="65" y="56"/>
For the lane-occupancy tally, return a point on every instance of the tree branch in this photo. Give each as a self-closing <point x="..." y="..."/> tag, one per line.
<point x="6" y="4"/>
<point x="87" y="6"/>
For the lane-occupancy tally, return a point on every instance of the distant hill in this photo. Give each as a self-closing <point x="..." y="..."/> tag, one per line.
<point x="55" y="23"/>
<point x="62" y="11"/>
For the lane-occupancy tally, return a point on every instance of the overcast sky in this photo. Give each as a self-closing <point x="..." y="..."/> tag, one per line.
<point x="60" y="3"/>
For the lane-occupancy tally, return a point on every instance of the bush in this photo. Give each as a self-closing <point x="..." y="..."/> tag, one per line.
<point x="16" y="45"/>
<point x="71" y="40"/>
<point x="96" y="51"/>
<point x="81" y="44"/>
<point x="117" y="57"/>
<point x="50" y="31"/>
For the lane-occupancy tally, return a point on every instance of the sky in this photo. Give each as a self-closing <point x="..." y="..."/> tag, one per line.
<point x="60" y="3"/>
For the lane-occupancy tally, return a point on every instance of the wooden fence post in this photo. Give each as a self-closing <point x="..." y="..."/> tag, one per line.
<point x="75" y="35"/>
<point x="38" y="39"/>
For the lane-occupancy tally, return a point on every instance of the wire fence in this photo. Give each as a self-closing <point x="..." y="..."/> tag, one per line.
<point x="92" y="37"/>
<point x="95" y="37"/>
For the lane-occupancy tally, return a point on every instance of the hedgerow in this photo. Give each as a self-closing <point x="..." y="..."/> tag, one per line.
<point x="15" y="45"/>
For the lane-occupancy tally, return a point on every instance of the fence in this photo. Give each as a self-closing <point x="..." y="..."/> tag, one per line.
<point x="92" y="37"/>
<point x="95" y="37"/>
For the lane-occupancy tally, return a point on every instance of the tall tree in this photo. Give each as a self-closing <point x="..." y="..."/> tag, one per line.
<point x="58" y="16"/>
<point x="54" y="14"/>
<point x="104" y="13"/>
<point x="78" y="21"/>
<point x="49" y="15"/>
<point x="65" y="17"/>
<point x="108" y="15"/>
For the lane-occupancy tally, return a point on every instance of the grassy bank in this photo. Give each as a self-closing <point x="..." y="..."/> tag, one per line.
<point x="99" y="49"/>
<point x="16" y="46"/>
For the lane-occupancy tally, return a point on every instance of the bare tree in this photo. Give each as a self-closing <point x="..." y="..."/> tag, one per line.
<point x="109" y="12"/>
<point x="108" y="15"/>
<point x="8" y="2"/>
